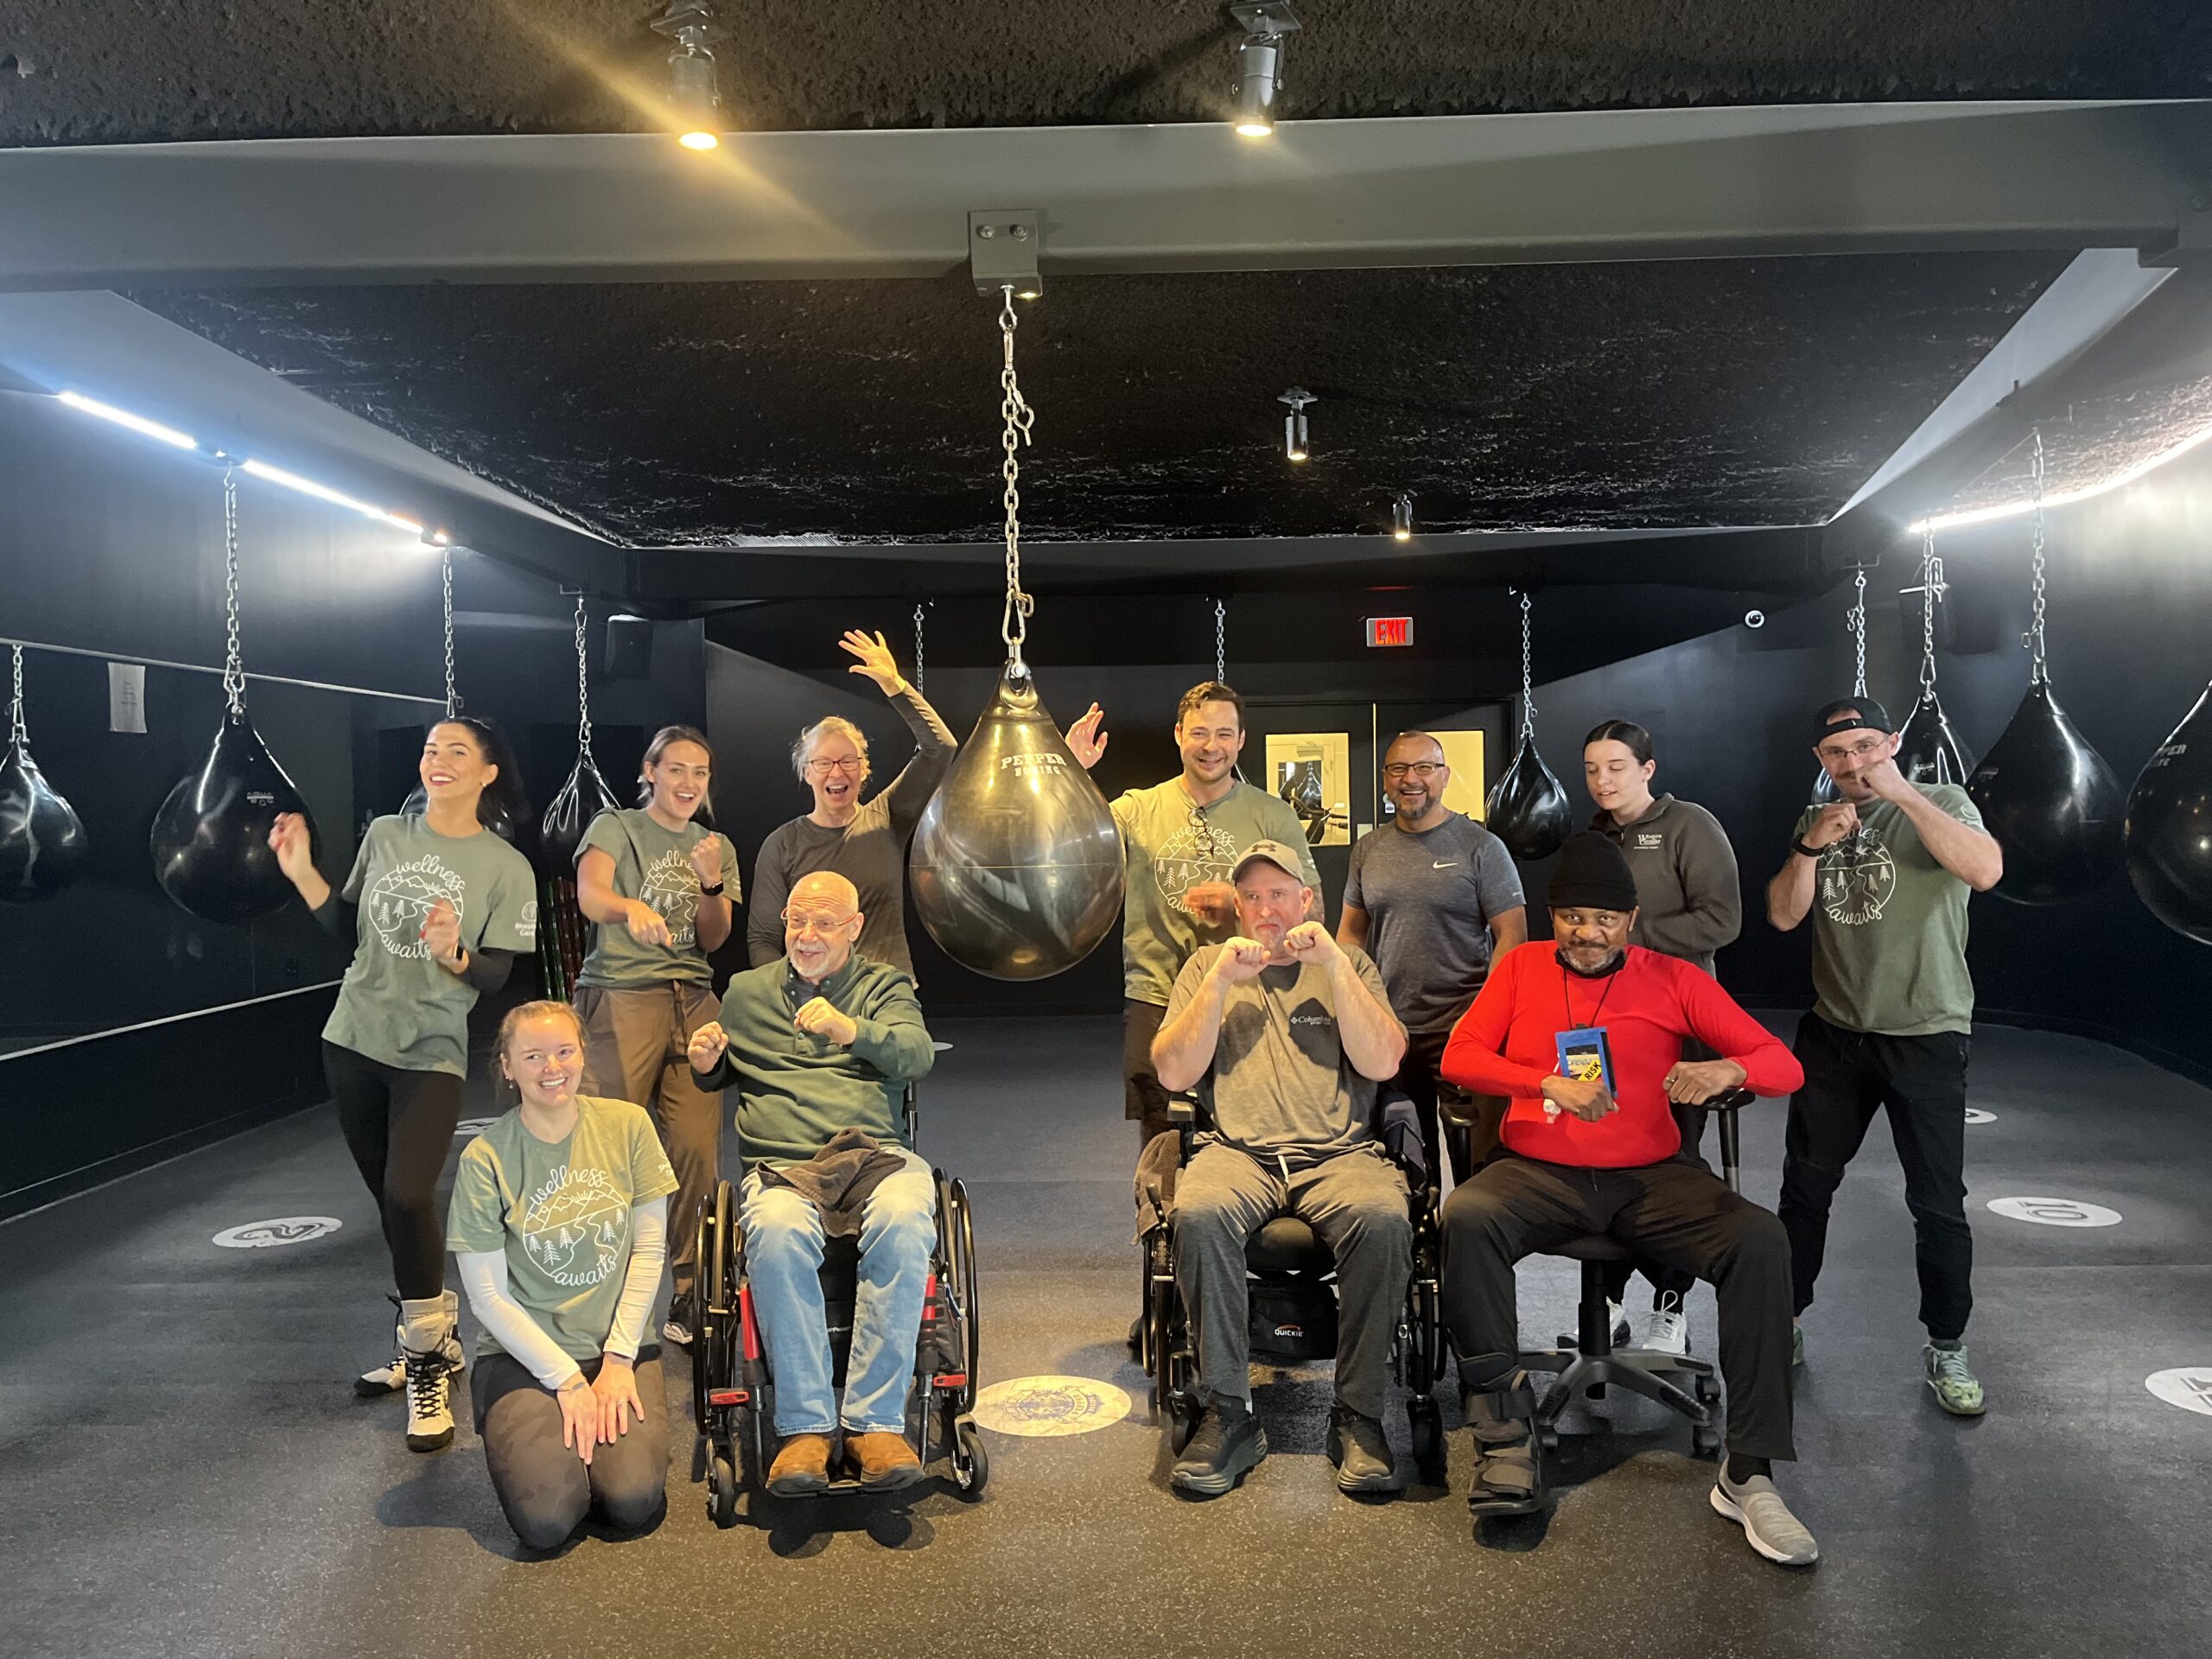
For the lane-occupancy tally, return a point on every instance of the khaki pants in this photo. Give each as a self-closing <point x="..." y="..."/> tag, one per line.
<point x="634" y="1044"/>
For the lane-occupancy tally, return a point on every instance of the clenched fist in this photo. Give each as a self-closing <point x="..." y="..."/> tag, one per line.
<point x="821" y="1018"/>
<point x="1310" y="942"/>
<point x="1241" y="959"/>
<point x="707" y="1046"/>
<point x="441" y="935"/>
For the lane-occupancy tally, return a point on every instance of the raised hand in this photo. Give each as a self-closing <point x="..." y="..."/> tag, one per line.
<point x="706" y="859"/>
<point x="441" y="934"/>
<point x="1213" y="903"/>
<point x="1240" y="960"/>
<point x="1310" y="942"/>
<point x="821" y="1018"/>
<point x="1084" y="740"/>
<point x="876" y="661"/>
<point x="1836" y="823"/>
<point x="707" y="1046"/>
<point x="289" y="840"/>
<point x="1885" y="779"/>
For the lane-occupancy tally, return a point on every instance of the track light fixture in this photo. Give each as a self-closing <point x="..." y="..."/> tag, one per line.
<point x="692" y="96"/>
<point x="1259" y="64"/>
<point x="1294" y="424"/>
<point x="1401" y="519"/>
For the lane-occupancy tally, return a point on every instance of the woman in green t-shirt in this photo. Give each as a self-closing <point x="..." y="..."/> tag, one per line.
<point x="559" y="1222"/>
<point x="663" y="887"/>
<point x="436" y="909"/>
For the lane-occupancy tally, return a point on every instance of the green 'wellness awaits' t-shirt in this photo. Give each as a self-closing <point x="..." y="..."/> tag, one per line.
<point x="561" y="1210"/>
<point x="652" y="864"/>
<point x="396" y="1004"/>
<point x="1890" y="924"/>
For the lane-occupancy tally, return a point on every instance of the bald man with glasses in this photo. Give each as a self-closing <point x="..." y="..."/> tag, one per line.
<point x="1434" y="898"/>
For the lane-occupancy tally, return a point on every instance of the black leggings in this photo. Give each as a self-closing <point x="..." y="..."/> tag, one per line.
<point x="543" y="1485"/>
<point x="399" y="1125"/>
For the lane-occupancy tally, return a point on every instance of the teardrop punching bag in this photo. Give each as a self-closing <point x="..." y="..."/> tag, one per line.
<point x="580" y="799"/>
<point x="42" y="842"/>
<point x="2168" y="834"/>
<point x="210" y="841"/>
<point x="1016" y="864"/>
<point x="211" y="838"/>
<point x="1527" y="808"/>
<point x="1931" y="752"/>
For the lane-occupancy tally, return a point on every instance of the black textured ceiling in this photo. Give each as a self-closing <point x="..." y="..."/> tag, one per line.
<point x="97" y="71"/>
<point x="1633" y="395"/>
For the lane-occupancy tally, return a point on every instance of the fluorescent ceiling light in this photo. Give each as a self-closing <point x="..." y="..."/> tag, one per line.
<point x="124" y="417"/>
<point x="263" y="470"/>
<point x="1943" y="521"/>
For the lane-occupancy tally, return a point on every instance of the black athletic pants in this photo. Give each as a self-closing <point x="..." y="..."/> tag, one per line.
<point x="1678" y="1214"/>
<point x="543" y="1485"/>
<point x="1922" y="1082"/>
<point x="399" y="1125"/>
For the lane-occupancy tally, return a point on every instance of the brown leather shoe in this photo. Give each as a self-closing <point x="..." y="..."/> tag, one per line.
<point x="886" y="1460"/>
<point x="802" y="1468"/>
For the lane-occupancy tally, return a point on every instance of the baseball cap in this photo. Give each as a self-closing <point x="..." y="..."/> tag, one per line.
<point x="1833" y="718"/>
<point x="1275" y="852"/>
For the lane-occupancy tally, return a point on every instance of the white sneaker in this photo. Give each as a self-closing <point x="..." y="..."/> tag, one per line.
<point x="1768" y="1526"/>
<point x="1670" y="1329"/>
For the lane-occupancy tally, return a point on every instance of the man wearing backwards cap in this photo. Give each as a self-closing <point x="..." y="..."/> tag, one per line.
<point x="1891" y="865"/>
<point x="1284" y="1033"/>
<point x="1602" y="1153"/>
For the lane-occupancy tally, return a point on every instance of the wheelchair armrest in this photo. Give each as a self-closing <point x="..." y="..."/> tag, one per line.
<point x="1182" y="1111"/>
<point x="1730" y="1100"/>
<point x="1399" y="1126"/>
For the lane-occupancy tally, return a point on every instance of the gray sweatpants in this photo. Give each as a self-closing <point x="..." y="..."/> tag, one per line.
<point x="1355" y="1202"/>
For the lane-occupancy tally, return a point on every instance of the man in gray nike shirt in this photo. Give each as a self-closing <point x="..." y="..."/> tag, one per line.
<point x="1432" y="896"/>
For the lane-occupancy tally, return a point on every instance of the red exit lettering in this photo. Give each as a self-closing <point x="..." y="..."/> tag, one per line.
<point x="1390" y="631"/>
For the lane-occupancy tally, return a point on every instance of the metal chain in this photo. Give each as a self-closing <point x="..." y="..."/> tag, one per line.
<point x="1014" y="625"/>
<point x="1931" y="589"/>
<point x="917" y="648"/>
<point x="1856" y="622"/>
<point x="453" y="697"/>
<point x="1527" y="682"/>
<point x="2032" y="639"/>
<point x="233" y="659"/>
<point x="18" y="733"/>
<point x="1220" y="643"/>
<point x="583" y="686"/>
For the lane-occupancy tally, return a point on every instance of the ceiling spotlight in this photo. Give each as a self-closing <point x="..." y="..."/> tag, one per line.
<point x="1401" y="519"/>
<point x="1294" y="424"/>
<point x="1259" y="64"/>
<point x="692" y="98"/>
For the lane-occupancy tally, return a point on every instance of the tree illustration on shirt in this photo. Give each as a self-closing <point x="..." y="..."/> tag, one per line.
<point x="401" y="900"/>
<point x="671" y="890"/>
<point x="1858" y="876"/>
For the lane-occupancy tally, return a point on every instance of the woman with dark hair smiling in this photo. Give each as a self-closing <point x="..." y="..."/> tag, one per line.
<point x="437" y="907"/>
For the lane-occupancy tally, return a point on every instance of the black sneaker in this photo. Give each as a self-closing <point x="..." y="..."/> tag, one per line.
<point x="1361" y="1454"/>
<point x="1228" y="1445"/>
<point x="679" y="1328"/>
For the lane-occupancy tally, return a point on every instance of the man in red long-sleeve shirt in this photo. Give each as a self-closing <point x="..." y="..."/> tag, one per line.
<point x="1579" y="1157"/>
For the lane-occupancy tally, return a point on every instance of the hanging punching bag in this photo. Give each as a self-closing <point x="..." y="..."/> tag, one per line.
<point x="211" y="838"/>
<point x="41" y="839"/>
<point x="1526" y="808"/>
<point x="1931" y="752"/>
<point x="2052" y="803"/>
<point x="583" y="798"/>
<point x="2168" y="834"/>
<point x="1016" y="864"/>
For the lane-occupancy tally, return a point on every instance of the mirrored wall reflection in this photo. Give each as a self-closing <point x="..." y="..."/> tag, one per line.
<point x="112" y="949"/>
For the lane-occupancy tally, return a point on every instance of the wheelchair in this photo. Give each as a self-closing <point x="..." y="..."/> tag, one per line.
<point x="733" y="1393"/>
<point x="1291" y="1284"/>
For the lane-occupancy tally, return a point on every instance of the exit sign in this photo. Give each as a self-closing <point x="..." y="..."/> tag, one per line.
<point x="1390" y="631"/>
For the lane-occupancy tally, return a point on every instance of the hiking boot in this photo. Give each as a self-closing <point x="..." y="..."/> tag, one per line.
<point x="1361" y="1454"/>
<point x="1227" y="1445"/>
<point x="802" y="1467"/>
<point x="1769" y="1527"/>
<point x="885" y="1461"/>
<point x="430" y="1354"/>
<point x="388" y="1378"/>
<point x="1956" y="1390"/>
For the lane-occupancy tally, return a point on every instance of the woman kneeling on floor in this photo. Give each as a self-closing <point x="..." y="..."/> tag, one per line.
<point x="560" y="1223"/>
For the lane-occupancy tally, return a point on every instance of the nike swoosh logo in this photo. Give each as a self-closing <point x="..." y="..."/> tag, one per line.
<point x="1448" y="864"/>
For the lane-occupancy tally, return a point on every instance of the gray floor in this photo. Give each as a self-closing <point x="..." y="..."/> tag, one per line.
<point x="183" y="1470"/>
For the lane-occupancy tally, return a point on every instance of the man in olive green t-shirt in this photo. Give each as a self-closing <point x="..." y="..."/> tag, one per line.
<point x="1884" y="873"/>
<point x="1178" y="841"/>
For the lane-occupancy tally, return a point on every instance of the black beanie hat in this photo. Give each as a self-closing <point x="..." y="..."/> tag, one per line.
<point x="1591" y="874"/>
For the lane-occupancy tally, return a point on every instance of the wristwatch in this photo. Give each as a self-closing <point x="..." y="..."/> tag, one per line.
<point x="714" y="892"/>
<point x="1813" y="853"/>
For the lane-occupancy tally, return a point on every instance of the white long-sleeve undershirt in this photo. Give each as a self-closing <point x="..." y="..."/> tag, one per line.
<point x="484" y="1278"/>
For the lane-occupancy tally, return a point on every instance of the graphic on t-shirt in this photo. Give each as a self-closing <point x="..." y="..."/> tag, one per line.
<point x="527" y="921"/>
<point x="1858" y="876"/>
<point x="402" y="898"/>
<point x="671" y="889"/>
<point x="1193" y="855"/>
<point x="574" y="1226"/>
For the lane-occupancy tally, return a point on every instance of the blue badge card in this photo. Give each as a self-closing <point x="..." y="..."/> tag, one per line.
<point x="1584" y="1055"/>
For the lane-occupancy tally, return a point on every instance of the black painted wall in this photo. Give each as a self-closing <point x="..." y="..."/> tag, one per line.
<point x="2130" y="631"/>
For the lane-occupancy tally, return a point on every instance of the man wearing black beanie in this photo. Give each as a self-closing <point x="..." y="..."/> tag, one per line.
<point x="1583" y="1031"/>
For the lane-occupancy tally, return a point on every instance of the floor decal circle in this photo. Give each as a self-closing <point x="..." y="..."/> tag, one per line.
<point x="284" y="1229"/>
<point x="1976" y="1115"/>
<point x="2189" y="1387"/>
<point x="2056" y="1212"/>
<point x="1043" y="1407"/>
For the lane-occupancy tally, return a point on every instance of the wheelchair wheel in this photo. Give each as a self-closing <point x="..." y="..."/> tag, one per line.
<point x="704" y="1331"/>
<point x="971" y="1460"/>
<point x="1427" y="1434"/>
<point x="722" y="1490"/>
<point x="963" y="1268"/>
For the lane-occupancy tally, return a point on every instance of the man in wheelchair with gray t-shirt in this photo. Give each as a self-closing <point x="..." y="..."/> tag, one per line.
<point x="1286" y="1035"/>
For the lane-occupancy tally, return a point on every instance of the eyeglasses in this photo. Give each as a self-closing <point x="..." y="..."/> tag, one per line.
<point x="1856" y="752"/>
<point x="852" y="765"/>
<point x="1423" y="770"/>
<point x="813" y="921"/>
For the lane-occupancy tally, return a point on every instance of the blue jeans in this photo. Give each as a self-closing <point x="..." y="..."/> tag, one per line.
<point x="782" y="1254"/>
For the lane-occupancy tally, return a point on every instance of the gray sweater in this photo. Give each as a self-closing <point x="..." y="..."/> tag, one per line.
<point x="1688" y="900"/>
